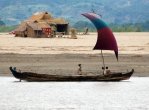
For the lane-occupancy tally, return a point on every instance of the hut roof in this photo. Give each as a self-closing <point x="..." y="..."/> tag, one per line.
<point x="38" y="25"/>
<point x="41" y="16"/>
<point x="45" y="16"/>
<point x="21" y="27"/>
<point x="57" y="21"/>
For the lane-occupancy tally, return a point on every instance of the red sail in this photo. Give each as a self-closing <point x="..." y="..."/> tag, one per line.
<point x="106" y="39"/>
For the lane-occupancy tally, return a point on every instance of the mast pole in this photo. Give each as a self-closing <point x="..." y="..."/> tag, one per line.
<point x="103" y="61"/>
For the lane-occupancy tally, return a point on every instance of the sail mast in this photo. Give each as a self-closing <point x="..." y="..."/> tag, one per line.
<point x="103" y="59"/>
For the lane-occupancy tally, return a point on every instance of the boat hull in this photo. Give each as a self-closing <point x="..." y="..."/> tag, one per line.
<point x="29" y="76"/>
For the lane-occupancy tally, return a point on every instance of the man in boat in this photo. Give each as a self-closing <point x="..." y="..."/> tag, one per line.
<point x="15" y="69"/>
<point x="79" y="69"/>
<point x="103" y="70"/>
<point x="108" y="71"/>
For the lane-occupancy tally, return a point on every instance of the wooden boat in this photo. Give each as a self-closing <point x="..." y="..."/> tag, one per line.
<point x="29" y="76"/>
<point x="105" y="41"/>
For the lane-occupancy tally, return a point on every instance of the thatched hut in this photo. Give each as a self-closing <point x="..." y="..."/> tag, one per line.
<point x="38" y="29"/>
<point x="33" y="29"/>
<point x="42" y="24"/>
<point x="61" y="25"/>
<point x="21" y="30"/>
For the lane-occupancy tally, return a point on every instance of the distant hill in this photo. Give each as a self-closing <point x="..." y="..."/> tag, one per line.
<point x="2" y="23"/>
<point x="12" y="12"/>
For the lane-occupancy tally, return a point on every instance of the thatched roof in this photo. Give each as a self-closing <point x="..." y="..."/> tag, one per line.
<point x="41" y="16"/>
<point x="45" y="16"/>
<point x="38" y="25"/>
<point x="21" y="27"/>
<point x="57" y="21"/>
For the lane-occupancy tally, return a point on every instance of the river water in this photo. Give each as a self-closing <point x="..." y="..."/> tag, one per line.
<point x="132" y="94"/>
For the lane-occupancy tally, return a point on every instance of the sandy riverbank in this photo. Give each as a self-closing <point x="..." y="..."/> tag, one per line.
<point x="61" y="55"/>
<point x="129" y="43"/>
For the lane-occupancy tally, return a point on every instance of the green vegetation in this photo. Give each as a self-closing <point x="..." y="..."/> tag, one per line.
<point x="4" y="28"/>
<point x="129" y="27"/>
<point x="80" y="26"/>
<point x="126" y="28"/>
<point x="7" y="28"/>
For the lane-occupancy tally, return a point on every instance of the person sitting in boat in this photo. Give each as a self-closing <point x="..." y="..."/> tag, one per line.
<point x="79" y="69"/>
<point x="15" y="69"/>
<point x="103" y="69"/>
<point x="108" y="71"/>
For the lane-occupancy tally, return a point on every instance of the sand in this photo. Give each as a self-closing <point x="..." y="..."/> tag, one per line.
<point x="62" y="55"/>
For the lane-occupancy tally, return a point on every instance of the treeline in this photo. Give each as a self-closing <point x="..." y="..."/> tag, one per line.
<point x="4" y="28"/>
<point x="129" y="27"/>
<point x="7" y="28"/>
<point x="81" y="25"/>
